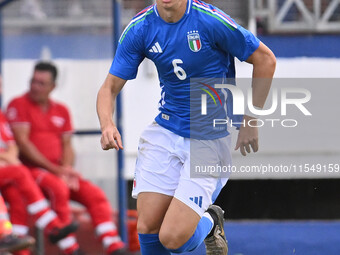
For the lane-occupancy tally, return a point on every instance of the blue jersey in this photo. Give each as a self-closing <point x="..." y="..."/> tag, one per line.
<point x="200" y="46"/>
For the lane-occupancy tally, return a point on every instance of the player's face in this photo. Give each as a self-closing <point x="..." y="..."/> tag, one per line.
<point x="41" y="86"/>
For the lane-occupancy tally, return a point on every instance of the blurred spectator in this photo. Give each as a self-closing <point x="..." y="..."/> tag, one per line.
<point x="43" y="131"/>
<point x="75" y="8"/>
<point x="33" y="8"/>
<point x="136" y="5"/>
<point x="9" y="242"/>
<point x="21" y="192"/>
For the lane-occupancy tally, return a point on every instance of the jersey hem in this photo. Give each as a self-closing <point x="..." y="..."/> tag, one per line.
<point x="186" y="135"/>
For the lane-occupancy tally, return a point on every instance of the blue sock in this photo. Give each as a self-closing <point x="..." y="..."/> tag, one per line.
<point x="203" y="229"/>
<point x="150" y="245"/>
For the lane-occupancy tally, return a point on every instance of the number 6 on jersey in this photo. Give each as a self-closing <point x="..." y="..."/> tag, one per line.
<point x="179" y="71"/>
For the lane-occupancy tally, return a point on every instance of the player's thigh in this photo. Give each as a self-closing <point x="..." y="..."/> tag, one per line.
<point x="194" y="195"/>
<point x="199" y="189"/>
<point x="191" y="200"/>
<point x="151" y="208"/>
<point x="179" y="224"/>
<point x="157" y="175"/>
<point x="158" y="165"/>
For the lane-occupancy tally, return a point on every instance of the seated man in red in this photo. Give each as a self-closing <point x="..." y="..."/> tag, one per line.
<point x="23" y="194"/>
<point x="43" y="130"/>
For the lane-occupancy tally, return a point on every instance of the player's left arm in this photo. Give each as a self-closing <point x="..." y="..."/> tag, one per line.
<point x="264" y="63"/>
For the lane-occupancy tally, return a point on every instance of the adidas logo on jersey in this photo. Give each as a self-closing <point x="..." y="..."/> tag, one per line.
<point x="156" y="48"/>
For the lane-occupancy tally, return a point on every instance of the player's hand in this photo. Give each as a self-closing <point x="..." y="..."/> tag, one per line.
<point x="247" y="138"/>
<point x="111" y="138"/>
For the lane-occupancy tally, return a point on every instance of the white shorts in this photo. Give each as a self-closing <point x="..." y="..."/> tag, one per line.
<point x="163" y="166"/>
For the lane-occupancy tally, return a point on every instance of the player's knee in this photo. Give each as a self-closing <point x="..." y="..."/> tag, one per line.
<point x="145" y="226"/>
<point x="171" y="239"/>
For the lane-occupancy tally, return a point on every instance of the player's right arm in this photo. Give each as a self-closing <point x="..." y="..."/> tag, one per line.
<point x="106" y="100"/>
<point x="129" y="55"/>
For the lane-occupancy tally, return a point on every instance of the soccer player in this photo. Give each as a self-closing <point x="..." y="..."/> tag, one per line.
<point x="187" y="40"/>
<point x="42" y="129"/>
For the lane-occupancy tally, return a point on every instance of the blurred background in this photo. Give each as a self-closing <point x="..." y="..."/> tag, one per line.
<point x="304" y="35"/>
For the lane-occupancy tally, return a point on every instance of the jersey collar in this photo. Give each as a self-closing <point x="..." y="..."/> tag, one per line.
<point x="189" y="6"/>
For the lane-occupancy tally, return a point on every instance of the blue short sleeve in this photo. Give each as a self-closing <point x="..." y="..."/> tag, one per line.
<point x="233" y="38"/>
<point x="128" y="56"/>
